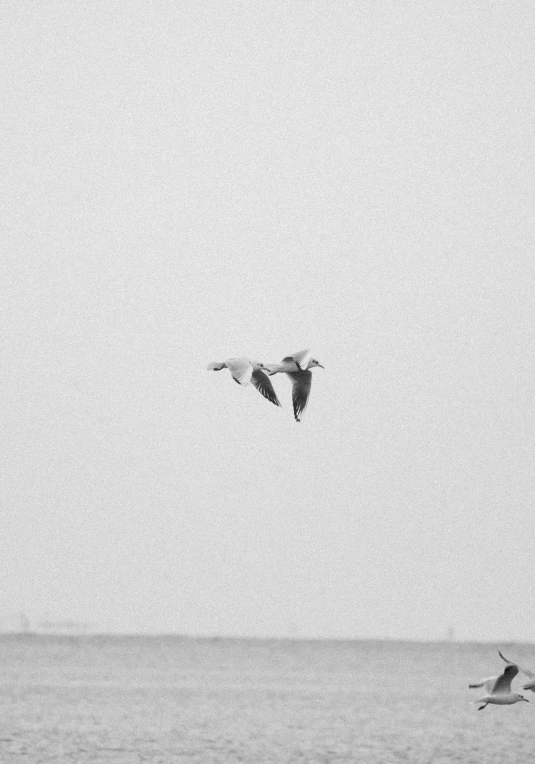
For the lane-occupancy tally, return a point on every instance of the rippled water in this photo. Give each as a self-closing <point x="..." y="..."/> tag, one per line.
<point x="143" y="699"/>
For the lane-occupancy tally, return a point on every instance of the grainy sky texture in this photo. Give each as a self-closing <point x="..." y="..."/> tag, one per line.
<point x="186" y="182"/>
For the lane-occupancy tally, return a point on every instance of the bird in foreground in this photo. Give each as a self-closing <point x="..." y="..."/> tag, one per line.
<point x="498" y="689"/>
<point x="530" y="674"/>
<point x="297" y="367"/>
<point x="244" y="372"/>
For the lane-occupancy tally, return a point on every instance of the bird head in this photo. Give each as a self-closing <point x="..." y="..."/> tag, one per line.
<point x="313" y="363"/>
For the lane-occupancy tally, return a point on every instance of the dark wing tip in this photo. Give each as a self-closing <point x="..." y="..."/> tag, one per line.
<point x="271" y="396"/>
<point x="264" y="386"/>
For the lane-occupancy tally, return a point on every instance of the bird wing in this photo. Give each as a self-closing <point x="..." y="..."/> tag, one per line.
<point x="263" y="384"/>
<point x="272" y="368"/>
<point x="301" y="382"/>
<point x="301" y="358"/>
<point x="502" y="656"/>
<point x="487" y="683"/>
<point x="241" y="370"/>
<point x="503" y="682"/>
<point x="525" y="671"/>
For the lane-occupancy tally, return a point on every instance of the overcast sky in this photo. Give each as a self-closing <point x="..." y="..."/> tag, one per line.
<point x="186" y="182"/>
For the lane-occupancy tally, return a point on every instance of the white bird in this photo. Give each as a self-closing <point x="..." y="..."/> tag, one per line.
<point x="297" y="367"/>
<point x="530" y="674"/>
<point x="498" y="689"/>
<point x="244" y="372"/>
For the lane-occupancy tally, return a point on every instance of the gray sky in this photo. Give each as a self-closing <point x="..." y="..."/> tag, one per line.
<point x="185" y="182"/>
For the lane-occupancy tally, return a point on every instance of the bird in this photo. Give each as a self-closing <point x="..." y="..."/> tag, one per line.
<point x="244" y="371"/>
<point x="297" y="367"/>
<point x="530" y="674"/>
<point x="498" y="689"/>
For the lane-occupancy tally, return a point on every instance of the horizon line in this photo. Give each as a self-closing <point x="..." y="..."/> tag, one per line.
<point x="236" y="637"/>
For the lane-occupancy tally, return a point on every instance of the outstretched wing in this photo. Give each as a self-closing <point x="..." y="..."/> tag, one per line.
<point x="301" y="358"/>
<point x="241" y="370"/>
<point x="525" y="671"/>
<point x="502" y="656"/>
<point x="503" y="682"/>
<point x="301" y="382"/>
<point x="487" y="683"/>
<point x="263" y="384"/>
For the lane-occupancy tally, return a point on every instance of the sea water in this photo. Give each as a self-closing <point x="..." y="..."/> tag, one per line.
<point x="170" y="699"/>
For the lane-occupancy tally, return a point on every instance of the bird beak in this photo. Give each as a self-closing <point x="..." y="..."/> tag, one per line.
<point x="321" y="367"/>
<point x="527" y="701"/>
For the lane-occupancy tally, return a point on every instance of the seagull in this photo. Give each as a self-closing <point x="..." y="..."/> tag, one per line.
<point x="530" y="674"/>
<point x="297" y="367"/>
<point x="244" y="371"/>
<point x="498" y="689"/>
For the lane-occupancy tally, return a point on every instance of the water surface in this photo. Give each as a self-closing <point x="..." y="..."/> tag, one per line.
<point x="170" y="699"/>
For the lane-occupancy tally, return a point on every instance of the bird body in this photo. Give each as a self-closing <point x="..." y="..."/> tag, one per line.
<point x="297" y="367"/>
<point x="500" y="699"/>
<point x="245" y="371"/>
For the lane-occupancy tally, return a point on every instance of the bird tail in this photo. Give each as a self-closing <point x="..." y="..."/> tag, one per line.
<point x="216" y="365"/>
<point x="271" y="368"/>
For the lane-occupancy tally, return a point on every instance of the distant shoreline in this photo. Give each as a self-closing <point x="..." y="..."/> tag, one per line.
<point x="98" y="635"/>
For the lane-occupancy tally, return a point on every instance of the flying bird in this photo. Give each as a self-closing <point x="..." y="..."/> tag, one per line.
<point x="244" y="372"/>
<point x="297" y="367"/>
<point x="498" y="689"/>
<point x="530" y="674"/>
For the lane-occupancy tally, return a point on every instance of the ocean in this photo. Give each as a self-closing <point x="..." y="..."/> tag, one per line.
<point x="171" y="699"/>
